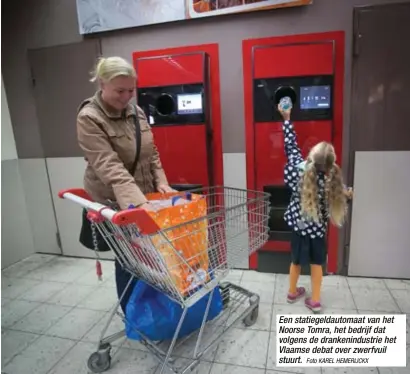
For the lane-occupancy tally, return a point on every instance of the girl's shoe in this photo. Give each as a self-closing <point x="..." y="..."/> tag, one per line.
<point x="293" y="297"/>
<point x="314" y="306"/>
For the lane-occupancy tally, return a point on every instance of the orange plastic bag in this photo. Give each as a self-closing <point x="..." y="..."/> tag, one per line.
<point x="188" y="243"/>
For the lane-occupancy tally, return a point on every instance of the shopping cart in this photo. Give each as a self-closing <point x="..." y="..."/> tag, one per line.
<point x="236" y="225"/>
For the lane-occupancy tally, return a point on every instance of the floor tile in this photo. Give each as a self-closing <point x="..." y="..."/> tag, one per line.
<point x="115" y="326"/>
<point x="244" y="347"/>
<point x="255" y="276"/>
<point x="326" y="310"/>
<point x="334" y="280"/>
<point x="42" y="318"/>
<point x="397" y="284"/>
<point x="25" y="351"/>
<point x="75" y="324"/>
<point x="86" y="263"/>
<point x="90" y="278"/>
<point x="42" y="291"/>
<point x="109" y="282"/>
<point x="264" y="290"/>
<point x="101" y="298"/>
<point x="225" y="369"/>
<point x="40" y="356"/>
<point x="71" y="295"/>
<point x="233" y="276"/>
<point x="369" y="283"/>
<point x="271" y="361"/>
<point x="362" y="370"/>
<point x="297" y="308"/>
<point x="13" y="342"/>
<point x="75" y="361"/>
<point x="15" y="311"/>
<point x="293" y="370"/>
<point x="376" y="312"/>
<point x="128" y="361"/>
<point x="373" y="299"/>
<point x="59" y="271"/>
<point x="46" y="269"/>
<point x="41" y="258"/>
<point x="402" y="298"/>
<point x="14" y="287"/>
<point x="4" y="301"/>
<point x="185" y="347"/>
<point x="181" y="363"/>
<point x="22" y="268"/>
<point x="337" y="298"/>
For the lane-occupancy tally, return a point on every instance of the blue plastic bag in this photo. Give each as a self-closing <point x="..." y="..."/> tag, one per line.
<point x="157" y="316"/>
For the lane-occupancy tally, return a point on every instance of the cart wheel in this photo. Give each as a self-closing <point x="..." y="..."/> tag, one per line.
<point x="99" y="362"/>
<point x="250" y="320"/>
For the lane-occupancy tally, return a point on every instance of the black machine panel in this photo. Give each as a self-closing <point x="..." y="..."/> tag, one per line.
<point x="173" y="105"/>
<point x="312" y="97"/>
<point x="279" y="200"/>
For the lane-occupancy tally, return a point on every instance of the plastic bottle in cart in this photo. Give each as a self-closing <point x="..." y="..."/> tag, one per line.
<point x="285" y="103"/>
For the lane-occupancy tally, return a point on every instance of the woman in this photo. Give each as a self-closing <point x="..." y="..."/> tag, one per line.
<point x="123" y="161"/>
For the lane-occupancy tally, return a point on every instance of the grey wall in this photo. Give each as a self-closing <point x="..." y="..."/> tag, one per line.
<point x="16" y="233"/>
<point x="382" y="183"/>
<point x="54" y="22"/>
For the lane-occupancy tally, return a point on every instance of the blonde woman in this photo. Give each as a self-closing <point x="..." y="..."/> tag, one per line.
<point x="318" y="194"/>
<point x="118" y="145"/>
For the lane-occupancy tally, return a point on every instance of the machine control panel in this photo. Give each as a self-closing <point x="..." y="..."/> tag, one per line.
<point x="312" y="97"/>
<point x="173" y="105"/>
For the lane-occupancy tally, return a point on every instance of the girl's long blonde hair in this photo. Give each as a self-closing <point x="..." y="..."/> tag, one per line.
<point x="322" y="157"/>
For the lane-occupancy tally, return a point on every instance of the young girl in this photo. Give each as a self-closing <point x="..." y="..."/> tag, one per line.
<point x="318" y="193"/>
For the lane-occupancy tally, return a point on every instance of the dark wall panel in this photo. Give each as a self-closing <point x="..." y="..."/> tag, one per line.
<point x="61" y="80"/>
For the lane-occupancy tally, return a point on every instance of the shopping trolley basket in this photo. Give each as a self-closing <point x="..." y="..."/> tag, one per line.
<point x="236" y="224"/>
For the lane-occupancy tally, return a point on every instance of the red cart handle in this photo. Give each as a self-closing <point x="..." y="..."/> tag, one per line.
<point x="140" y="217"/>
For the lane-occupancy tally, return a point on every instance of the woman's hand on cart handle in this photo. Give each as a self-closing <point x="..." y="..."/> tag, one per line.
<point x="164" y="188"/>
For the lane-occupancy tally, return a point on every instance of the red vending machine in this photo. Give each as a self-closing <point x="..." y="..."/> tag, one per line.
<point x="309" y="69"/>
<point x="178" y="89"/>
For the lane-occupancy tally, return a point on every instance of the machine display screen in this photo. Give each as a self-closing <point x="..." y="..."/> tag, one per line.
<point x="315" y="97"/>
<point x="190" y="104"/>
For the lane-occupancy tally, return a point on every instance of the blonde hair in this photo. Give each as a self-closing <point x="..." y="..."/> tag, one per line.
<point x="112" y="67"/>
<point x="322" y="157"/>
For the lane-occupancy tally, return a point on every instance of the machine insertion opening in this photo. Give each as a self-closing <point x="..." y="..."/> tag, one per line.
<point x="285" y="91"/>
<point x="165" y="105"/>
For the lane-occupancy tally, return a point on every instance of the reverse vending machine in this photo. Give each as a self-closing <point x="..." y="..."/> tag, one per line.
<point x="310" y="70"/>
<point x="178" y="89"/>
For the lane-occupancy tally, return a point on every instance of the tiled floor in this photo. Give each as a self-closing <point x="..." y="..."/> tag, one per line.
<point x="53" y="309"/>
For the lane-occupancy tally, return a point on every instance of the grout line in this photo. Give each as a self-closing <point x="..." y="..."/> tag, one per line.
<point x="22" y="350"/>
<point x="270" y="325"/>
<point x="352" y="295"/>
<point x="43" y="333"/>
<point x="394" y="299"/>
